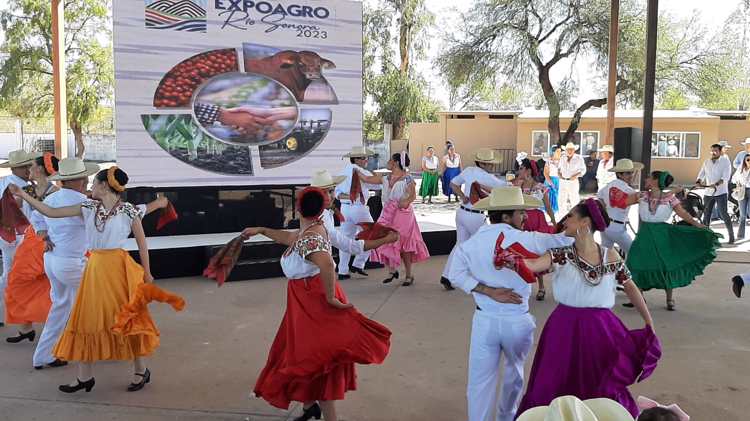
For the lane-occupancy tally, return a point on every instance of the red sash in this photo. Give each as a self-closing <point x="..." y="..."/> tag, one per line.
<point x="355" y="191"/>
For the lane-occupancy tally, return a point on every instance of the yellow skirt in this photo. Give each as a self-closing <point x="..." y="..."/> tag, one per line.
<point x="110" y="281"/>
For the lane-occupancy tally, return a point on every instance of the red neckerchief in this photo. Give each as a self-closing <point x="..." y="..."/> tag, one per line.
<point x="356" y="188"/>
<point x="476" y="193"/>
<point x="337" y="213"/>
<point x="512" y="258"/>
<point x="12" y="221"/>
<point x="618" y="198"/>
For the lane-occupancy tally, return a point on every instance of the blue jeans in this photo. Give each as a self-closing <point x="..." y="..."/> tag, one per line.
<point x="721" y="201"/>
<point x="743" y="213"/>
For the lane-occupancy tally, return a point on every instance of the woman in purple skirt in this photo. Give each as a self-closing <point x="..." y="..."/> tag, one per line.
<point x="585" y="350"/>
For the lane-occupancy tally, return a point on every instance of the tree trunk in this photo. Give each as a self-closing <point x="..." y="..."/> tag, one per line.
<point x="78" y="135"/>
<point x="399" y="129"/>
<point x="553" y="105"/>
<point x="404" y="41"/>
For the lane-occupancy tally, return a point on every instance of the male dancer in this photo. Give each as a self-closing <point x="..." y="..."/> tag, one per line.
<point x="19" y="163"/>
<point x="502" y="324"/>
<point x="468" y="219"/>
<point x="615" y="196"/>
<point x="353" y="193"/>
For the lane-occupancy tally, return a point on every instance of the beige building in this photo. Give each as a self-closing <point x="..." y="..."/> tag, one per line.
<point x="681" y="142"/>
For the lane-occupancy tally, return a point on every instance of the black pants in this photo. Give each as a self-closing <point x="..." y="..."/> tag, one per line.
<point x="720" y="200"/>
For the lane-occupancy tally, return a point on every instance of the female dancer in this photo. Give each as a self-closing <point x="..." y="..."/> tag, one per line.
<point x="398" y="195"/>
<point x="535" y="219"/>
<point x="430" y="164"/>
<point x="111" y="280"/>
<point x="741" y="179"/>
<point x="27" y="296"/>
<point x="667" y="256"/>
<point x="451" y="168"/>
<point x="584" y="349"/>
<point x="552" y="176"/>
<point x="322" y="335"/>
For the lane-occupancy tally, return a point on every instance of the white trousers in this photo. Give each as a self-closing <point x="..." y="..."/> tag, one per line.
<point x="353" y="215"/>
<point x="569" y="195"/>
<point x="492" y="336"/>
<point x="617" y="234"/>
<point x="467" y="224"/>
<point x="64" y="275"/>
<point x="9" y="251"/>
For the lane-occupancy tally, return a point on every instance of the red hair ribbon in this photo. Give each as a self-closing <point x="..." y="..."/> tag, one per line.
<point x="596" y="214"/>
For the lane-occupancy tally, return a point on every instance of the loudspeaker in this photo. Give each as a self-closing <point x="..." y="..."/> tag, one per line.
<point x="629" y="143"/>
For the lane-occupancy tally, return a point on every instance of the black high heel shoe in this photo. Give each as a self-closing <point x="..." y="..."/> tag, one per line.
<point x="145" y="378"/>
<point x="408" y="281"/>
<point x="393" y="275"/>
<point x="88" y="385"/>
<point x="310" y="413"/>
<point x="30" y="335"/>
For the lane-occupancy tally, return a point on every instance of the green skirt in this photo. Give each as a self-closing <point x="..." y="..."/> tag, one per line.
<point x="666" y="256"/>
<point x="429" y="185"/>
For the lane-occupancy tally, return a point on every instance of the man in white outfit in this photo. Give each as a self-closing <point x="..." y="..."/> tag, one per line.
<point x="65" y="262"/>
<point x="468" y="219"/>
<point x="502" y="325"/>
<point x="19" y="163"/>
<point x="603" y="174"/>
<point x="715" y="175"/>
<point x="572" y="166"/>
<point x="614" y="195"/>
<point x="353" y="193"/>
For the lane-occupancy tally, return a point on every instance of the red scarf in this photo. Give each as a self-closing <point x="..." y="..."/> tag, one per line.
<point x="477" y="193"/>
<point x="12" y="221"/>
<point x="512" y="258"/>
<point x="355" y="191"/>
<point x="222" y="263"/>
<point x="167" y="216"/>
<point x="373" y="231"/>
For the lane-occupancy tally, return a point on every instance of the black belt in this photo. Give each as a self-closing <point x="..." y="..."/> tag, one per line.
<point x="618" y="222"/>
<point x="470" y="210"/>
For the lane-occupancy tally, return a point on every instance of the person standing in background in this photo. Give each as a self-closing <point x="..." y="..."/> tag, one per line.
<point x="451" y="168"/>
<point x="740" y="158"/>
<point x="603" y="174"/>
<point x="592" y="164"/>
<point x="572" y="167"/>
<point x="552" y="176"/>
<point x="715" y="175"/>
<point x="430" y="164"/>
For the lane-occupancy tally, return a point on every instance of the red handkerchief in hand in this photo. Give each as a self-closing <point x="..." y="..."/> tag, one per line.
<point x="167" y="216"/>
<point x="513" y="258"/>
<point x="618" y="198"/>
<point x="221" y="265"/>
<point x="372" y="231"/>
<point x="476" y="193"/>
<point x="12" y="220"/>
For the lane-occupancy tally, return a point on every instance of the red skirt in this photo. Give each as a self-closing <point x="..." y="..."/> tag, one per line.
<point x="313" y="355"/>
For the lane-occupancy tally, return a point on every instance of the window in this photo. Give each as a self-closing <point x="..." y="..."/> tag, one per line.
<point x="675" y="145"/>
<point x="540" y="142"/>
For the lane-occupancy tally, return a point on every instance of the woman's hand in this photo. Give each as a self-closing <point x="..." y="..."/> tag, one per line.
<point x="334" y="302"/>
<point x="148" y="277"/>
<point x="161" y="202"/>
<point x="247" y="233"/>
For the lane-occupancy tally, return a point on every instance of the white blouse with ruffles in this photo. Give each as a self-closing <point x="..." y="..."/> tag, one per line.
<point x="294" y="262"/>
<point x="115" y="231"/>
<point x="571" y="287"/>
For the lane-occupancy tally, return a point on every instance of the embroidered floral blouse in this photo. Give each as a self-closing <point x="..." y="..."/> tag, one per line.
<point x="655" y="209"/>
<point x="111" y="232"/>
<point x="294" y="262"/>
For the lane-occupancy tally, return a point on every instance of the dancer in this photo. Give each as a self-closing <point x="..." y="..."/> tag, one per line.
<point x="321" y="336"/>
<point x="584" y="349"/>
<point x="353" y="193"/>
<point x="552" y="176"/>
<point x="474" y="180"/>
<point x="111" y="281"/>
<point x="502" y="324"/>
<point x="663" y="255"/>
<point x="526" y="171"/>
<point x="398" y="195"/>
<point x="27" y="295"/>
<point x="572" y="167"/>
<point x="715" y="175"/>
<point x="615" y="197"/>
<point x="451" y="168"/>
<point x="19" y="163"/>
<point x="603" y="174"/>
<point x="430" y="176"/>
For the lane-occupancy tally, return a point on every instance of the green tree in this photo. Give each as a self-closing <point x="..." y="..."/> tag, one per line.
<point x="26" y="73"/>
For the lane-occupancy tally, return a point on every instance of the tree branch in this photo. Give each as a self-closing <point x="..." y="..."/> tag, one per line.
<point x="557" y="26"/>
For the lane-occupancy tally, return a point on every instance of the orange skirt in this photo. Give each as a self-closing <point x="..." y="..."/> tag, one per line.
<point x="110" y="285"/>
<point x="27" y="295"/>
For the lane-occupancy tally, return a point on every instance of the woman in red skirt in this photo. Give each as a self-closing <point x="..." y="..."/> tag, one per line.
<point x="321" y="336"/>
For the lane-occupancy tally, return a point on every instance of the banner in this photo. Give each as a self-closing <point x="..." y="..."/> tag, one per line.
<point x="236" y="92"/>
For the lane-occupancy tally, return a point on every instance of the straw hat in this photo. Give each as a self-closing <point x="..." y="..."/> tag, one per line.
<point x="570" y="408"/>
<point x="73" y="168"/>
<point x="746" y="141"/>
<point x="725" y="144"/>
<point x="323" y="179"/>
<point x="571" y="145"/>
<point x="607" y="148"/>
<point x="488" y="156"/>
<point x="19" y="158"/>
<point x="359" y="152"/>
<point x="626" y="165"/>
<point x="508" y="198"/>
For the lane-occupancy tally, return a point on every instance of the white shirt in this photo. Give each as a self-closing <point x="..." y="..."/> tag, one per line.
<point x="570" y="287"/>
<point x="115" y="231"/>
<point x="471" y="174"/>
<point x="398" y="190"/>
<point x="67" y="234"/>
<point x="576" y="166"/>
<point x="430" y="163"/>
<point x="603" y="176"/>
<point x="741" y="178"/>
<point x="455" y="163"/>
<point x="713" y="171"/>
<point x="346" y="186"/>
<point x="294" y="262"/>
<point x="339" y="240"/>
<point x="473" y="263"/>
<point x="607" y="192"/>
<point x="26" y="209"/>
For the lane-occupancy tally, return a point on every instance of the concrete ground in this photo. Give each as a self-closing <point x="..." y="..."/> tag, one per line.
<point x="212" y="352"/>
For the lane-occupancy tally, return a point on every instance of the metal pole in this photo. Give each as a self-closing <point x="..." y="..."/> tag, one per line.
<point x="58" y="76"/>
<point x="614" y="25"/>
<point x="648" y="94"/>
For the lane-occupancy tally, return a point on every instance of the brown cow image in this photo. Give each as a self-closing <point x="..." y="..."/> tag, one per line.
<point x="297" y="71"/>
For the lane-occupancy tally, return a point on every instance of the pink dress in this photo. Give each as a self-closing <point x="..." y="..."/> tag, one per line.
<point x="535" y="218"/>
<point x="403" y="221"/>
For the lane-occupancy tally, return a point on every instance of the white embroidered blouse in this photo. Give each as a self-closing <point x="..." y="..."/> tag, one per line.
<point x="111" y="232"/>
<point x="294" y="262"/>
<point x="579" y="284"/>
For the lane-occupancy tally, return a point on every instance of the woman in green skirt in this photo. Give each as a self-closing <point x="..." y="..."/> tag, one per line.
<point x="667" y="256"/>
<point x="430" y="176"/>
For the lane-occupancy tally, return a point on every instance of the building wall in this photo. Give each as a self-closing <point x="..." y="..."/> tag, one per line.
<point x="734" y="131"/>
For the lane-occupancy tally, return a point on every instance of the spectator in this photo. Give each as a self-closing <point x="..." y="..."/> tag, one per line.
<point x="429" y="186"/>
<point x="589" y="178"/>
<point x="715" y="175"/>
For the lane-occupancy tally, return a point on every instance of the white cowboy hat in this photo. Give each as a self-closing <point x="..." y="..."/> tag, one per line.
<point x="323" y="179"/>
<point x="488" y="156"/>
<point x="746" y="141"/>
<point x="508" y="198"/>
<point x="626" y="165"/>
<point x="19" y="158"/>
<point x="607" y="148"/>
<point x="72" y="169"/>
<point x="571" y="145"/>
<point x="359" y="152"/>
<point x="570" y="408"/>
<point x="725" y="144"/>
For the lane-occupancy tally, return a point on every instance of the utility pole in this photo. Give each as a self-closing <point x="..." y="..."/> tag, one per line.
<point x="652" y="21"/>
<point x="614" y="25"/>
<point x="58" y="76"/>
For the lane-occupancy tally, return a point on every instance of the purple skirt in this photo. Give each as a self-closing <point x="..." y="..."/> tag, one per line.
<point x="589" y="353"/>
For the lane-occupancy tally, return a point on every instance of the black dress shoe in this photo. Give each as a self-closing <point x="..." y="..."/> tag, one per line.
<point x="737" y="285"/>
<point x="446" y="283"/>
<point x="342" y="277"/>
<point x="310" y="413"/>
<point x="30" y="335"/>
<point x="391" y="277"/>
<point x="359" y="271"/>
<point x="88" y="385"/>
<point x="145" y="378"/>
<point x="57" y="363"/>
